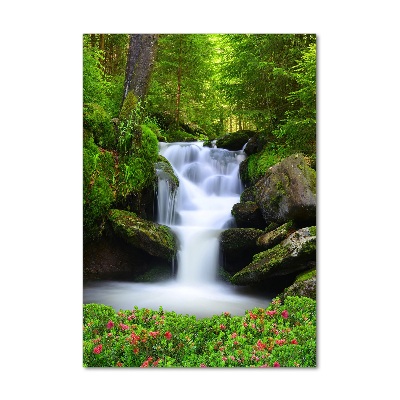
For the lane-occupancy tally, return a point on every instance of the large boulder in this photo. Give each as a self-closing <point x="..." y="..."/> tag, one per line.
<point x="293" y="255"/>
<point x="288" y="192"/>
<point x="235" y="140"/>
<point x="155" y="239"/>
<point x="238" y="246"/>
<point x="248" y="215"/>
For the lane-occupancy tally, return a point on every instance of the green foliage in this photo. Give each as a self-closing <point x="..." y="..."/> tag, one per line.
<point x="259" y="163"/>
<point x="98" y="188"/>
<point x="299" y="127"/>
<point x="281" y="335"/>
<point x="98" y="122"/>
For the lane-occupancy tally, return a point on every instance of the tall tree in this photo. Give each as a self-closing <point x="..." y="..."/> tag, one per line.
<point x="141" y="57"/>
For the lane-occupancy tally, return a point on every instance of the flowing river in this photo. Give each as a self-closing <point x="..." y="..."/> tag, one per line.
<point x="198" y="212"/>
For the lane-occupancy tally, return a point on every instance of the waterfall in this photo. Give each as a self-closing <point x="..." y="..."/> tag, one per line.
<point x="209" y="186"/>
<point x="197" y="212"/>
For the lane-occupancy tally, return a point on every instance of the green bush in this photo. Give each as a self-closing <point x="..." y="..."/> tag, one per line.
<point x="98" y="122"/>
<point x="98" y="188"/>
<point x="284" y="335"/>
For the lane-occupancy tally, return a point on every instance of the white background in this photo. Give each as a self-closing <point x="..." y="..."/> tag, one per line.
<point x="41" y="205"/>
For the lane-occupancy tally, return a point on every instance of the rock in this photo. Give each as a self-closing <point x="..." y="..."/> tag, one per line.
<point x="165" y="172"/>
<point x="290" y="256"/>
<point x="155" y="239"/>
<point x="288" y="192"/>
<point x="272" y="238"/>
<point x="234" y="140"/>
<point x="305" y="285"/>
<point x="247" y="195"/>
<point x="112" y="258"/>
<point x="244" y="173"/>
<point x="238" y="246"/>
<point x="248" y="215"/>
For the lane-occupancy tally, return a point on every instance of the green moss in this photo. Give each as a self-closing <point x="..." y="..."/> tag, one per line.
<point x="306" y="275"/>
<point x="128" y="108"/>
<point x="313" y="231"/>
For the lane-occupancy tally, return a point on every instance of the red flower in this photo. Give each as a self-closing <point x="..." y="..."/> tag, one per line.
<point x="222" y="327"/>
<point x="98" y="349"/>
<point x="154" y="334"/>
<point x="280" y="342"/>
<point x="110" y="324"/>
<point x="168" y="335"/>
<point x="260" y="345"/>
<point x="271" y="313"/>
<point x="294" y="341"/>
<point x="123" y="327"/>
<point x="276" y="364"/>
<point x="146" y="363"/>
<point x="285" y="314"/>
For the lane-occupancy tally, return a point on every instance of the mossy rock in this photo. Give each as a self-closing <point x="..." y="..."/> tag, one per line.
<point x="155" y="239"/>
<point x="272" y="238"/>
<point x="164" y="171"/>
<point x="235" y="140"/>
<point x="248" y="215"/>
<point x="305" y="285"/>
<point x="239" y="239"/>
<point x="247" y="195"/>
<point x="288" y="192"/>
<point x="290" y="256"/>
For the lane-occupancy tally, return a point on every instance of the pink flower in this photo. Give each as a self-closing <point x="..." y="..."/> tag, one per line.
<point x="110" y="324"/>
<point x="222" y="327"/>
<point x="280" y="342"/>
<point x="276" y="364"/>
<point x="154" y="334"/>
<point x="203" y="366"/>
<point x="98" y="349"/>
<point x="123" y="327"/>
<point x="271" y="313"/>
<point x="227" y="314"/>
<point x="234" y="334"/>
<point x="294" y="341"/>
<point x="245" y="324"/>
<point x="224" y="358"/>
<point x="168" y="335"/>
<point x="285" y="314"/>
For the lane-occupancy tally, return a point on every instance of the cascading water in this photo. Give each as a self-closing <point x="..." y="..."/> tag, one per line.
<point x="209" y="186"/>
<point x="197" y="212"/>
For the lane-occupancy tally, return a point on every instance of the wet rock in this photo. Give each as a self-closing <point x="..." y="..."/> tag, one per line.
<point x="288" y="192"/>
<point x="290" y="256"/>
<point x="234" y="140"/>
<point x="238" y="246"/>
<point x="155" y="239"/>
<point x="165" y="172"/>
<point x="248" y="215"/>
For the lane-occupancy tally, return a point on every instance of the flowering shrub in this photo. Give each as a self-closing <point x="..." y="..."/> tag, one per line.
<point x="283" y="335"/>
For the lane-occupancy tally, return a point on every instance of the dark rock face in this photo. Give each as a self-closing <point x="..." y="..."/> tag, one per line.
<point x="112" y="258"/>
<point x="234" y="140"/>
<point x="248" y="215"/>
<point x="156" y="240"/>
<point x="247" y="195"/>
<point x="244" y="173"/>
<point x="238" y="246"/>
<point x="290" y="256"/>
<point x="288" y="192"/>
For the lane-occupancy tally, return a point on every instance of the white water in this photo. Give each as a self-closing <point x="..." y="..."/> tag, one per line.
<point x="209" y="186"/>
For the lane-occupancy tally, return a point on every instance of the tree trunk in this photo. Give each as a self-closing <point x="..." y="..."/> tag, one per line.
<point x="141" y="57"/>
